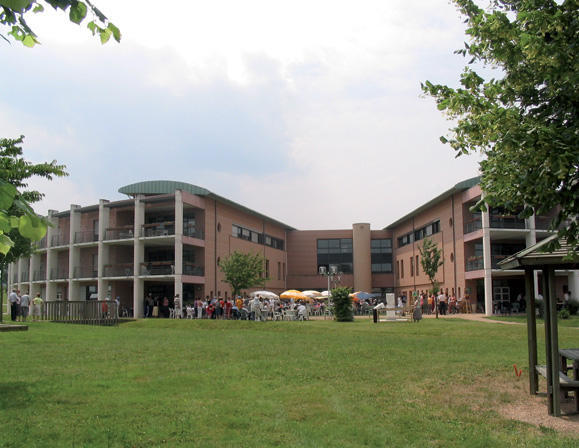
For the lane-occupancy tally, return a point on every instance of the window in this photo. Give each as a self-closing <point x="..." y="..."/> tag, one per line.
<point x="397" y="269"/>
<point x="411" y="267"/>
<point x="283" y="273"/>
<point x="256" y="237"/>
<point x="381" y="255"/>
<point x="401" y="268"/>
<point x="337" y="251"/>
<point x="267" y="268"/>
<point x="417" y="269"/>
<point x="279" y="270"/>
<point x="419" y="234"/>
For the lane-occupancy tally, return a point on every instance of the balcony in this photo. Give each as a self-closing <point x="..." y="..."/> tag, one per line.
<point x="85" y="236"/>
<point x="41" y="244"/>
<point x="39" y="276"/>
<point x="158" y="229"/>
<point x="118" y="270"/>
<point x="472" y="226"/>
<point x="85" y="272"/>
<point x="59" y="240"/>
<point x="25" y="276"/>
<point x="15" y="278"/>
<point x="191" y="269"/>
<point x="58" y="274"/>
<point x="474" y="263"/>
<point x="158" y="268"/>
<point x="119" y="233"/>
<point x="506" y="222"/>
<point x="193" y="232"/>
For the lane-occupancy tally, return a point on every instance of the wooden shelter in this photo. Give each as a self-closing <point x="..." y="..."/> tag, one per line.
<point x="536" y="258"/>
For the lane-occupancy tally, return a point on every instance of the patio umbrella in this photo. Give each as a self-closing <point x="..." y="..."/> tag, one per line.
<point x="312" y="294"/>
<point x="264" y="294"/>
<point x="362" y="295"/>
<point x="293" y="294"/>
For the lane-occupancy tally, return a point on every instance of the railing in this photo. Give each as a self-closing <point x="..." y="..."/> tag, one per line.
<point x="190" y="269"/>
<point x="25" y="276"/>
<point x="158" y="229"/>
<point x="38" y="276"/>
<point x="85" y="236"/>
<point x="119" y="270"/>
<point x="15" y="278"/>
<point x="119" y="233"/>
<point x="543" y="222"/>
<point x="59" y="240"/>
<point x="85" y="272"/>
<point x="41" y="244"/>
<point x="472" y="226"/>
<point x="90" y="312"/>
<point x="474" y="263"/>
<point x="158" y="268"/>
<point x="58" y="274"/>
<point x="506" y="222"/>
<point x="193" y="232"/>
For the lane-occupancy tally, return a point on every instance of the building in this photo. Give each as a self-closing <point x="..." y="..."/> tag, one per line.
<point x="168" y="237"/>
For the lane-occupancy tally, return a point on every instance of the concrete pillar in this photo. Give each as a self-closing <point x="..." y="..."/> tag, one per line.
<point x="487" y="260"/>
<point x="361" y="237"/>
<point x="178" y="234"/>
<point x="138" y="258"/>
<point x="51" y="256"/>
<point x="73" y="253"/>
<point x="103" y="250"/>
<point x="34" y="267"/>
<point x="573" y="284"/>
<point x="531" y="240"/>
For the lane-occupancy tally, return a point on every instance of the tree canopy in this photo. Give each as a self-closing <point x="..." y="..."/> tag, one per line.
<point x="243" y="271"/>
<point x="524" y="121"/>
<point x="13" y="17"/>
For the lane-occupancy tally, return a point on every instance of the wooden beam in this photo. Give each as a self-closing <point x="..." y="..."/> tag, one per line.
<point x="531" y="330"/>
<point x="553" y="329"/>
<point x="548" y="357"/>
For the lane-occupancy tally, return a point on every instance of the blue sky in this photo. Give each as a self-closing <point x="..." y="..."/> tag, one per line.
<point x="309" y="113"/>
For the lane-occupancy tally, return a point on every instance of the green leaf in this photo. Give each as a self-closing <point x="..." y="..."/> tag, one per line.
<point x="32" y="227"/>
<point x="7" y="194"/>
<point x="4" y="223"/>
<point x="105" y="35"/>
<point x="16" y="5"/>
<point x="116" y="32"/>
<point x="38" y="8"/>
<point x="78" y="12"/>
<point x="92" y="26"/>
<point x="5" y="244"/>
<point x="29" y="41"/>
<point x="14" y="222"/>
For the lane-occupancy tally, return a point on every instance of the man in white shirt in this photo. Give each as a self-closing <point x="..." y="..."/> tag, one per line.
<point x="302" y="312"/>
<point x="24" y="306"/>
<point x="14" y="300"/>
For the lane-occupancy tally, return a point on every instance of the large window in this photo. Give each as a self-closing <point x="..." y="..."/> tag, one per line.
<point x="381" y="253"/>
<point x="418" y="234"/>
<point x="336" y="251"/>
<point x="256" y="237"/>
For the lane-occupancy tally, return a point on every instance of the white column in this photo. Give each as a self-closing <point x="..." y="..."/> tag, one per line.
<point x="138" y="258"/>
<point x="51" y="256"/>
<point x="73" y="253"/>
<point x="487" y="260"/>
<point x="102" y="284"/>
<point x="34" y="267"/>
<point x="179" y="244"/>
<point x="573" y="284"/>
<point x="531" y="240"/>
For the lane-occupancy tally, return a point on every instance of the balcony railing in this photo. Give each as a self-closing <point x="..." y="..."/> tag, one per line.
<point x="59" y="240"/>
<point x="85" y="272"/>
<point x="158" y="268"/>
<point x="38" y="276"/>
<point x="193" y="232"/>
<point x="25" y="276"/>
<point x="58" y="274"/>
<point x="474" y="263"/>
<point x="543" y="222"/>
<point x="41" y="244"/>
<point x="472" y="226"/>
<point x="191" y="269"/>
<point x="15" y="278"/>
<point x="119" y="233"/>
<point x="506" y="222"/>
<point x="119" y="270"/>
<point x="89" y="312"/>
<point x="85" y="236"/>
<point x="158" y="229"/>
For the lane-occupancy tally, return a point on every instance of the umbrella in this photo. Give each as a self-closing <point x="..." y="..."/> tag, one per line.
<point x="361" y="295"/>
<point x="293" y="294"/>
<point x="264" y="294"/>
<point x="312" y="294"/>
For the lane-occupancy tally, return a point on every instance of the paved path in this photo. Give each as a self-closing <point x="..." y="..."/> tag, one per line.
<point x="474" y="316"/>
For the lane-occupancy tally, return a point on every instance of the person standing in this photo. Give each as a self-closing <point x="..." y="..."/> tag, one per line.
<point x="24" y="306"/>
<point x="37" y="307"/>
<point x="14" y="300"/>
<point x="442" y="303"/>
<point x="178" y="307"/>
<point x="149" y="305"/>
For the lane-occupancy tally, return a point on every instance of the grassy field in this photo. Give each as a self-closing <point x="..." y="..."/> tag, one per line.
<point x="251" y="384"/>
<point x="573" y="321"/>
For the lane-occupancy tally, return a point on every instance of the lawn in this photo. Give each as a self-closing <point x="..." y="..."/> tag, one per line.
<point x="572" y="321"/>
<point x="251" y="384"/>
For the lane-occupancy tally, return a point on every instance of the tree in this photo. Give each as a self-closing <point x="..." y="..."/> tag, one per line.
<point x="431" y="260"/>
<point x="342" y="304"/>
<point x="13" y="12"/>
<point x="243" y="271"/>
<point x="524" y="122"/>
<point x="19" y="225"/>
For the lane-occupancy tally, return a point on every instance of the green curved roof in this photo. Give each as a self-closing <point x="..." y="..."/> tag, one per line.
<point x="162" y="187"/>
<point x="151" y="187"/>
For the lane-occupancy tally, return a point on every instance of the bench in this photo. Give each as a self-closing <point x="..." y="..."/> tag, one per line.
<point x="564" y="382"/>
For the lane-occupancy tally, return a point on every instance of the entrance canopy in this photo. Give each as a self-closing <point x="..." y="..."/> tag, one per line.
<point x="536" y="258"/>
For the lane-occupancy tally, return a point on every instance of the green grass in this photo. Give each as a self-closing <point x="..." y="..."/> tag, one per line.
<point x="573" y="321"/>
<point x="251" y="384"/>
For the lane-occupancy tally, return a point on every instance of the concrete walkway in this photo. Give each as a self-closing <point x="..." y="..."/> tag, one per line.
<point x="472" y="316"/>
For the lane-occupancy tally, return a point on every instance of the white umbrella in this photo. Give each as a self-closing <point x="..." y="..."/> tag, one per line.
<point x="312" y="294"/>
<point x="326" y="294"/>
<point x="264" y="294"/>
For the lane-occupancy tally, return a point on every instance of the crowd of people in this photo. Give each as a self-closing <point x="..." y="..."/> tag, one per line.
<point x="21" y="306"/>
<point x="444" y="302"/>
<point x="249" y="308"/>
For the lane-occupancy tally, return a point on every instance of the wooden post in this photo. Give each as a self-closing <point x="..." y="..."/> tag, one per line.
<point x="553" y="329"/>
<point x="531" y="330"/>
<point x="548" y="357"/>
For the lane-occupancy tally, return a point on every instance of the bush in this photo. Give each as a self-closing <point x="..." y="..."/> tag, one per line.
<point x="564" y="314"/>
<point x="342" y="304"/>
<point x="573" y="306"/>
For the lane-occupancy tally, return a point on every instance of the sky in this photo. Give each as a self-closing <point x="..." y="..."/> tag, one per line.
<point x="308" y="112"/>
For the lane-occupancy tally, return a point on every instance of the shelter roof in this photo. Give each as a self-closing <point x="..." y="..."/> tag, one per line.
<point x="537" y="256"/>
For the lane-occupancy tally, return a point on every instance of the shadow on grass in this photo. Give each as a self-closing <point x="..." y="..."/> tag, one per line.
<point x="14" y="395"/>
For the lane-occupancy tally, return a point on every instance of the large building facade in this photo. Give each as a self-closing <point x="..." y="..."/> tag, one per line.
<point x="168" y="237"/>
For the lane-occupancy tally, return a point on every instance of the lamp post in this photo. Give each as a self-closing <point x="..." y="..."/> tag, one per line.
<point x="332" y="274"/>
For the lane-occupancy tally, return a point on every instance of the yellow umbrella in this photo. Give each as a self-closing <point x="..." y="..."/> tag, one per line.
<point x="293" y="294"/>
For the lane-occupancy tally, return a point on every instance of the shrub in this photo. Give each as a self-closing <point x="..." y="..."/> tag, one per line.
<point x="573" y="306"/>
<point x="342" y="304"/>
<point x="564" y="314"/>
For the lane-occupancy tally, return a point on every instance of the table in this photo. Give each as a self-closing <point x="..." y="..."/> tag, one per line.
<point x="572" y="354"/>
